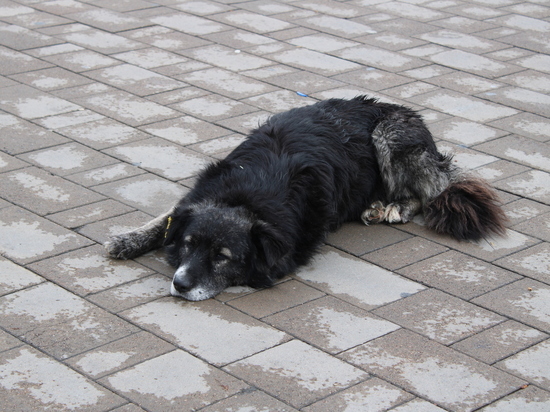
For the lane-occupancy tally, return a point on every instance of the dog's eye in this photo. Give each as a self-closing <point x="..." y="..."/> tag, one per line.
<point x="224" y="254"/>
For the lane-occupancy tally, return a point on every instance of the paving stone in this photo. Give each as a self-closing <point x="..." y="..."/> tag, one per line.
<point x="459" y="274"/>
<point x="322" y="42"/>
<point x="331" y="324"/>
<point x="520" y="98"/>
<point x="533" y="262"/>
<point x="305" y="82"/>
<point x="119" y="355"/>
<point x="296" y="373"/>
<point x="246" y="123"/>
<point x="530" y="79"/>
<point x="135" y="80"/>
<point x="171" y="40"/>
<point x="82" y="215"/>
<point x="282" y="296"/>
<point x="500" y="341"/>
<point x="82" y="60"/>
<point x="8" y="342"/>
<point x="26" y="237"/>
<point x="67" y="159"/>
<point x="404" y="253"/>
<point x="418" y="405"/>
<point x="227" y="58"/>
<point x="170" y="161"/>
<point x="8" y="163"/>
<point x="26" y="384"/>
<point x="525" y="300"/>
<point x="185" y="130"/>
<point x="188" y="383"/>
<point x="314" y="61"/>
<point x="108" y="20"/>
<point x="89" y="270"/>
<point x="20" y="38"/>
<point x="410" y="89"/>
<point x="531" y="184"/>
<point x="179" y="95"/>
<point x="51" y="79"/>
<point x="539" y="227"/>
<point x="440" y="317"/>
<point x="102" y="42"/>
<point x="253" y="400"/>
<point x="105" y="174"/>
<point x="150" y="58"/>
<point x="375" y="79"/>
<point x="43" y="193"/>
<point x="379" y="58"/>
<point x="30" y="103"/>
<point x="226" y="83"/>
<point x="127" y="108"/>
<point x="464" y="82"/>
<point x="355" y="281"/>
<point x="465" y="132"/>
<point x="68" y="119"/>
<point x="531" y="399"/>
<point x="531" y="364"/>
<point x="58" y="322"/>
<point x="181" y="323"/>
<point x="337" y="26"/>
<point x="433" y="371"/>
<point x="189" y="24"/>
<point x="14" y="277"/>
<point x="63" y="7"/>
<point x="499" y="170"/>
<point x="134" y="293"/>
<point x="373" y="395"/>
<point x="524" y="209"/>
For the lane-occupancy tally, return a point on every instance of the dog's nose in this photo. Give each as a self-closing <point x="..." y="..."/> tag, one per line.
<point x="182" y="284"/>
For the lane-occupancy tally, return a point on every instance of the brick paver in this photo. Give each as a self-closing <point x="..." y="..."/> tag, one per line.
<point x="109" y="109"/>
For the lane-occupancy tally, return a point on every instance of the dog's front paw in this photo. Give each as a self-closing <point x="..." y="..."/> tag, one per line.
<point x="393" y="213"/>
<point x="121" y="246"/>
<point x="374" y="214"/>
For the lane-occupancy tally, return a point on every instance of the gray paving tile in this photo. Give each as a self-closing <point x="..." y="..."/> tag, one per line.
<point x="465" y="132"/>
<point x="357" y="282"/>
<point x="280" y="297"/>
<point x="230" y="334"/>
<point x="250" y="400"/>
<point x="82" y="60"/>
<point x="101" y="41"/>
<point x="331" y="324"/>
<point x="438" y="316"/>
<point x="105" y="174"/>
<point x="532" y="262"/>
<point x="524" y="209"/>
<point x="526" y="125"/>
<point x="500" y="341"/>
<point x="532" y="184"/>
<point x="57" y="322"/>
<point x="26" y="384"/>
<point x="14" y="277"/>
<point x="459" y="274"/>
<point x="8" y="163"/>
<point x="150" y="58"/>
<point x="185" y="130"/>
<point x="433" y="371"/>
<point x="530" y="364"/>
<point x="51" y="79"/>
<point x="521" y="98"/>
<point x="119" y="355"/>
<point x="80" y="216"/>
<point x="296" y="373"/>
<point x="21" y="38"/>
<point x="26" y="237"/>
<point x="188" y="384"/>
<point x="102" y="230"/>
<point x="43" y="193"/>
<point x="525" y="300"/>
<point x="108" y="20"/>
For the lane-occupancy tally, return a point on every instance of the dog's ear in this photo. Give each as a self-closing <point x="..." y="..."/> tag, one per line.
<point x="175" y="224"/>
<point x="269" y="242"/>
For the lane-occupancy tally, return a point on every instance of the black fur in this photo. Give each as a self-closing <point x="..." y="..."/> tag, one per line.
<point x="272" y="201"/>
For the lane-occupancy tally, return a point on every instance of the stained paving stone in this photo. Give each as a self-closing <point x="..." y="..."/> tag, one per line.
<point x="500" y="341"/>
<point x="101" y="41"/>
<point x="80" y="216"/>
<point x="307" y="373"/>
<point x="102" y="230"/>
<point x="282" y="296"/>
<point x="51" y="79"/>
<point x="184" y="131"/>
<point x="531" y="399"/>
<point x="57" y="321"/>
<point x="521" y="98"/>
<point x="187" y="384"/>
<point x="88" y="270"/>
<point x="499" y="170"/>
<point x="331" y="324"/>
<point x="439" y="316"/>
<point x="82" y="60"/>
<point x="533" y="262"/>
<point x="361" y="283"/>
<point x="25" y="237"/>
<point x="459" y="274"/>
<point x="532" y="184"/>
<point x="26" y="384"/>
<point x="525" y="301"/>
<point x="14" y="277"/>
<point x="530" y="364"/>
<point x="522" y="210"/>
<point x="213" y="107"/>
<point x="43" y="193"/>
<point x="432" y="371"/>
<point x="119" y="355"/>
<point x="465" y="132"/>
<point x="539" y="227"/>
<point x="250" y="399"/>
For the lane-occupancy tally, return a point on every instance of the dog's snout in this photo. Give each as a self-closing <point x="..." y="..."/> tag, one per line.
<point x="182" y="284"/>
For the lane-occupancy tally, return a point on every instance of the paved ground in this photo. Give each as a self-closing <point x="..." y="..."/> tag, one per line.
<point x="109" y="108"/>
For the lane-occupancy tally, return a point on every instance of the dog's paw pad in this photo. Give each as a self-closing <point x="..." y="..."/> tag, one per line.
<point x="375" y="214"/>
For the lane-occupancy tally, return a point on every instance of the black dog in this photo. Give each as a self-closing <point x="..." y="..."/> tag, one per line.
<point x="264" y="210"/>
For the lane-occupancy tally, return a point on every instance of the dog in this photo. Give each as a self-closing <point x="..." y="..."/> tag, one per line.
<point x="265" y="209"/>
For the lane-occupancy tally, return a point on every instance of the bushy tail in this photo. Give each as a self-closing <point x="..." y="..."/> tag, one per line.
<point x="466" y="210"/>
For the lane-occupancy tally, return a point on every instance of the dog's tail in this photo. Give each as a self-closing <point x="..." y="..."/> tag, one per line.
<point x="466" y="210"/>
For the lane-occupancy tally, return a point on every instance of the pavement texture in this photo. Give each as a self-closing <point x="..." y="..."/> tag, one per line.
<point x="108" y="109"/>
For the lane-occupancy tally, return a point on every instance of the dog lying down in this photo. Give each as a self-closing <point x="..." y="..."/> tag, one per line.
<point x="262" y="212"/>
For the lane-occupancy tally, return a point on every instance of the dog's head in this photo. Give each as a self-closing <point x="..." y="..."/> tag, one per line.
<point x="217" y="247"/>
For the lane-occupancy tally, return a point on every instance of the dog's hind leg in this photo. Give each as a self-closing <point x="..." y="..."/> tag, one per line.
<point x="137" y="242"/>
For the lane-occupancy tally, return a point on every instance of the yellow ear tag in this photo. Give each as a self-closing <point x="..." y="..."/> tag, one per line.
<point x="168" y="226"/>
